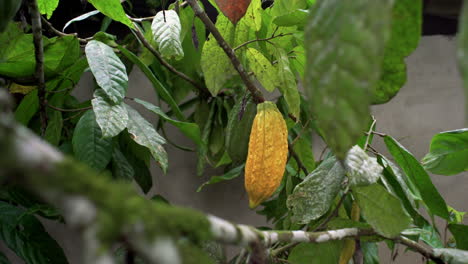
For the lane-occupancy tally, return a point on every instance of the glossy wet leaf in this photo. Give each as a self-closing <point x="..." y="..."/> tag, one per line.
<point x="112" y="119"/>
<point x="448" y="154"/>
<point x="382" y="210"/>
<point x="108" y="69"/>
<point x="313" y="197"/>
<point x="345" y="43"/>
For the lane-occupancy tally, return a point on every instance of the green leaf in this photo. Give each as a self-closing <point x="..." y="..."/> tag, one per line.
<point x="215" y="64"/>
<point x="203" y="151"/>
<point x="191" y="130"/>
<point x="112" y="119"/>
<point x="47" y="7"/>
<point x="53" y="131"/>
<point x="263" y="69"/>
<point x="452" y="256"/>
<point x="80" y="18"/>
<point x="112" y="9"/>
<point x="143" y="133"/>
<point x="108" y="69"/>
<point x="371" y="252"/>
<point x="121" y="168"/>
<point x="313" y="197"/>
<point x="345" y="43"/>
<point x="404" y="38"/>
<point x="166" y="29"/>
<point x="448" y="154"/>
<point x="382" y="210"/>
<point x="232" y="174"/>
<point x="27" y="108"/>
<point x="303" y="149"/>
<point x="26" y="236"/>
<point x="460" y="233"/>
<point x="462" y="50"/>
<point x="419" y="177"/>
<point x="8" y="9"/>
<point x="88" y="144"/>
<point x="158" y="86"/>
<point x="294" y="18"/>
<point x="305" y="253"/>
<point x="287" y="83"/>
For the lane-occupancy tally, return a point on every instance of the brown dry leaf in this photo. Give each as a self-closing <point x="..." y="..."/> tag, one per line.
<point x="233" y="9"/>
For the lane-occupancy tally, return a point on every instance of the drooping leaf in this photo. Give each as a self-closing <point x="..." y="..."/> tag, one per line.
<point x="419" y="177"/>
<point x="215" y="64"/>
<point x="47" y="7"/>
<point x="448" y="154"/>
<point x="345" y="42"/>
<point x="233" y="9"/>
<point x="121" y="168"/>
<point x="371" y="252"/>
<point x="462" y="50"/>
<point x="166" y="32"/>
<point x="108" y="69"/>
<point x="460" y="233"/>
<point x="404" y="38"/>
<point x="316" y="253"/>
<point x="112" y="9"/>
<point x="8" y="9"/>
<point x="88" y="144"/>
<point x="158" y="86"/>
<point x="452" y="256"/>
<point x="191" y="130"/>
<point x="232" y="174"/>
<point x="303" y="149"/>
<point x="27" y="108"/>
<point x="313" y="197"/>
<point x="112" y="119"/>
<point x="263" y="69"/>
<point x="80" y="18"/>
<point x="143" y="133"/>
<point x="287" y="83"/>
<point x="54" y="128"/>
<point x="382" y="210"/>
<point x="26" y="236"/>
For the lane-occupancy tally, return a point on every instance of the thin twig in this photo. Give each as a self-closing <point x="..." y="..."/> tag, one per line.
<point x="62" y="34"/>
<point x="69" y="110"/>
<point x="264" y="39"/>
<point x="298" y="160"/>
<point x="171" y="68"/>
<point x="39" y="54"/>
<point x="369" y="133"/>
<point x="200" y="13"/>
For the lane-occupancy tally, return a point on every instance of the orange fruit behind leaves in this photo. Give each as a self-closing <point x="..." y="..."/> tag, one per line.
<point x="267" y="156"/>
<point x="233" y="9"/>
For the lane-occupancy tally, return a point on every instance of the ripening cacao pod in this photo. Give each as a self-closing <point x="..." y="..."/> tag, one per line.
<point x="267" y="155"/>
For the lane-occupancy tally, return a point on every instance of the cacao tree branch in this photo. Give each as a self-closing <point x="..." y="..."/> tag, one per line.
<point x="263" y="39"/>
<point x="92" y="203"/>
<point x="39" y="55"/>
<point x="201" y="14"/>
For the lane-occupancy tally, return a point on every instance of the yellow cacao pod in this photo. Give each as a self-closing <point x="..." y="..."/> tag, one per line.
<point x="267" y="155"/>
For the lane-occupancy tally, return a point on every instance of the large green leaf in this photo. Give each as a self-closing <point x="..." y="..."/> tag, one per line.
<point x="316" y="253"/>
<point x="8" y="9"/>
<point x="462" y="50"/>
<point x="263" y="69"/>
<point x="112" y="119"/>
<point x="404" y="38"/>
<point x="166" y="29"/>
<point x="191" y="130"/>
<point x="17" y="59"/>
<point x="381" y="210"/>
<point x="144" y="134"/>
<point x="448" y="154"/>
<point x="27" y="108"/>
<point x="460" y="233"/>
<point x="108" y="69"/>
<point x="345" y="43"/>
<point x="158" y="86"/>
<point x="112" y="9"/>
<point x="313" y="197"/>
<point x="452" y="256"/>
<point x="47" y="7"/>
<point x="215" y="64"/>
<point x="26" y="236"/>
<point x="88" y="144"/>
<point x="286" y="83"/>
<point x="419" y="177"/>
